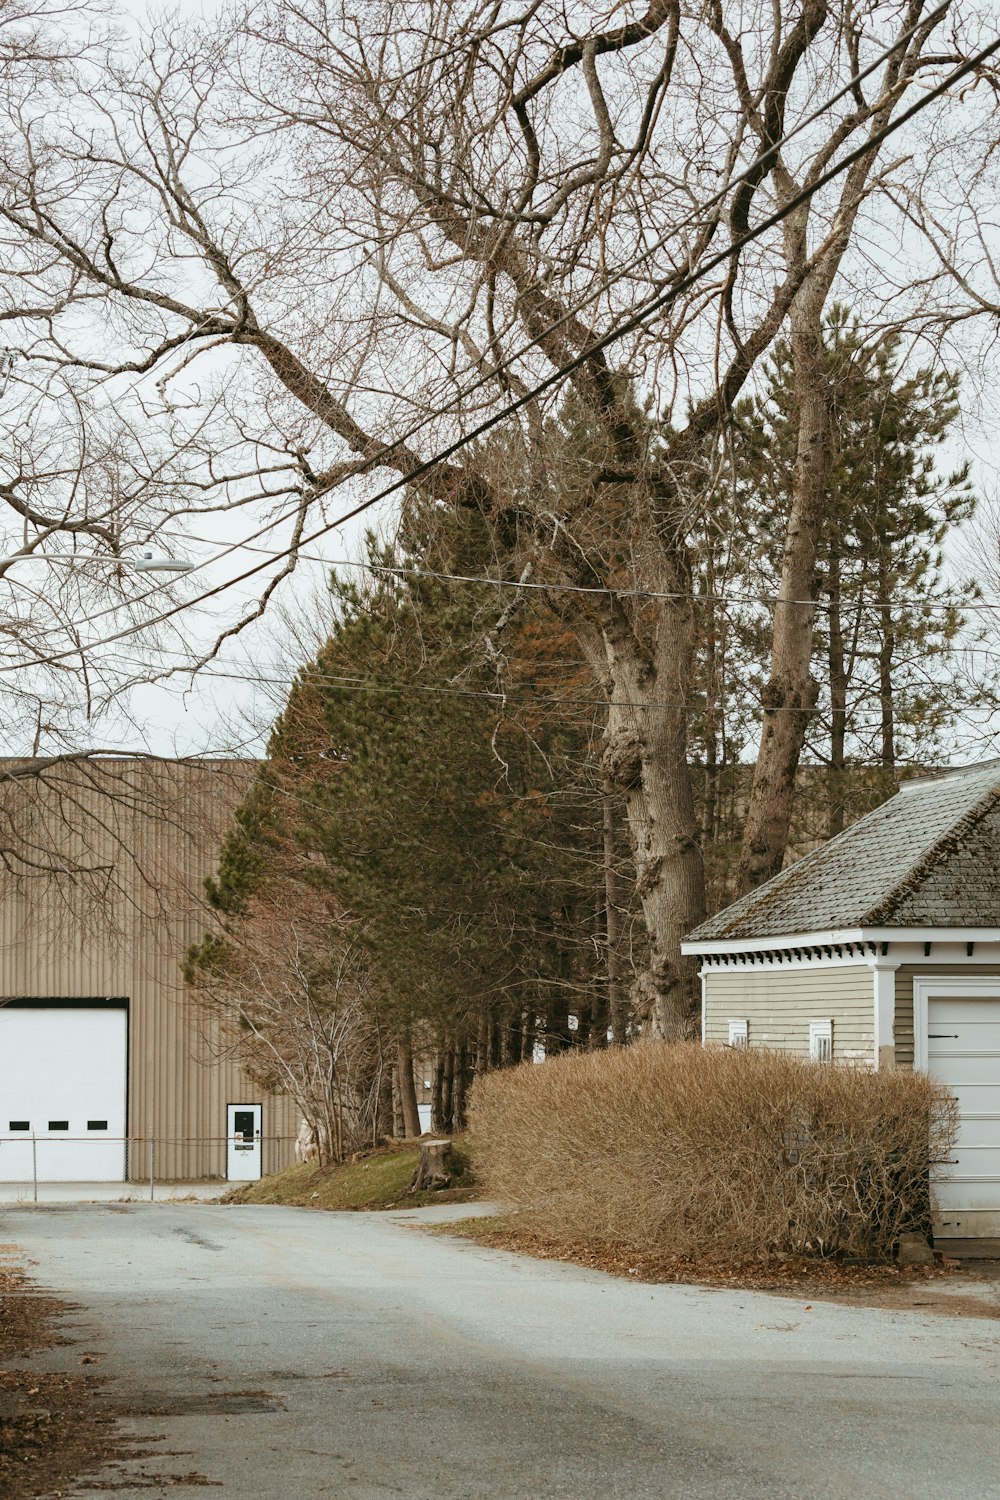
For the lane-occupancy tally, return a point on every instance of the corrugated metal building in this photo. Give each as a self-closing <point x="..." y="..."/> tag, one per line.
<point x="107" y="1062"/>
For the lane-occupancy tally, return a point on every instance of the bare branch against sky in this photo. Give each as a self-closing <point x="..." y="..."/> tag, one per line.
<point x="260" y="265"/>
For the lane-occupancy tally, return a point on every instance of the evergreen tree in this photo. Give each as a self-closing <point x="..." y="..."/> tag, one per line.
<point x="884" y="648"/>
<point x="446" y="819"/>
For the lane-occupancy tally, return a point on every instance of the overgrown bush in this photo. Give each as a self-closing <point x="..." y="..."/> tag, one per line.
<point x="713" y="1151"/>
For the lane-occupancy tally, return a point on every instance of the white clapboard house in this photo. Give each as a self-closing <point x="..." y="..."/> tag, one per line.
<point x="881" y="949"/>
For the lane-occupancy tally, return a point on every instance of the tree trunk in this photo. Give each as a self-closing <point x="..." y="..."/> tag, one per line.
<point x="557" y="999"/>
<point x="437" y="1092"/>
<point x="617" y="1011"/>
<point x="407" y="1091"/>
<point x="644" y="657"/>
<point x="398" y="1125"/>
<point x="645" y="758"/>
<point x="887" y="649"/>
<point x="710" y="732"/>
<point x="789" y="697"/>
<point x="460" y="1087"/>
<point x="596" y="1004"/>
<point x="483" y="1034"/>
<point x="838" y="701"/>
<point x="382" y="1125"/>
<point x="448" y="1090"/>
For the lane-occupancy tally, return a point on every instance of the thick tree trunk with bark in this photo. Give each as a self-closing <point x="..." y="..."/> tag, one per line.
<point x="382" y="1123"/>
<point x="789" y="697"/>
<point x="460" y="1086"/>
<point x="407" y="1091"/>
<point x="645" y="759"/>
<point x="398" y="1126"/>
<point x="837" y="668"/>
<point x="617" y="1009"/>
<point x="887" y="649"/>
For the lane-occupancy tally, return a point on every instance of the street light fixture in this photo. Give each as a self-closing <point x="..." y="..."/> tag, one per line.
<point x="149" y="562"/>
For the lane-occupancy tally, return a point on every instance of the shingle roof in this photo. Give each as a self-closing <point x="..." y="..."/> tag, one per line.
<point x="928" y="857"/>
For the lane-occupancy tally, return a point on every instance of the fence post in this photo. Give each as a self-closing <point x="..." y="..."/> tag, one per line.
<point x="34" y="1167"/>
<point x="152" y="1156"/>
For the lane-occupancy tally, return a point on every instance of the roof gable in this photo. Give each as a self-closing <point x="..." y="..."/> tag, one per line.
<point x="929" y="856"/>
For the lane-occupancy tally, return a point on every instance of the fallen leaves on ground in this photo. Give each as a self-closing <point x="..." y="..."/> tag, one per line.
<point x="958" y="1290"/>
<point x="51" y="1426"/>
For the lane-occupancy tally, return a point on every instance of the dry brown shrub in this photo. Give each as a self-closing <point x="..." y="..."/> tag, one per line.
<point x="712" y="1151"/>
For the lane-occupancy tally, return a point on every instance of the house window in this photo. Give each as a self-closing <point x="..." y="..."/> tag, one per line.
<point x="738" y="1036"/>
<point x="821" y="1041"/>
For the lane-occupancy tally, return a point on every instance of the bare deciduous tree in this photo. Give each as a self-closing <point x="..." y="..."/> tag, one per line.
<point x="290" y="991"/>
<point x="369" y="234"/>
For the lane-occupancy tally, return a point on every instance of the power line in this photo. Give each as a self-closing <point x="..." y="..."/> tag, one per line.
<point x="658" y="302"/>
<point x="617" y="593"/>
<point x="345" y="682"/>
<point x="574" y="310"/>
<point x="508" y="362"/>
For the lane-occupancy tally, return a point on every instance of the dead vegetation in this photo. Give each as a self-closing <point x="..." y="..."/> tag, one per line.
<point x="51" y="1427"/>
<point x="731" y="1155"/>
<point x="949" y="1288"/>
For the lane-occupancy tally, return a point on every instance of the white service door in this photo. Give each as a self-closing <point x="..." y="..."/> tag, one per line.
<point x="63" y="1079"/>
<point x="243" y="1142"/>
<point x="963" y="1052"/>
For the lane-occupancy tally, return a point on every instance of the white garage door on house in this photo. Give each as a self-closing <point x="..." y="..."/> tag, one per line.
<point x="63" y="1079"/>
<point x="963" y="1052"/>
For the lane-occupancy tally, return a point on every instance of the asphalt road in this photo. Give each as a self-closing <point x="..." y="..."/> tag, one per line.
<point x="286" y="1354"/>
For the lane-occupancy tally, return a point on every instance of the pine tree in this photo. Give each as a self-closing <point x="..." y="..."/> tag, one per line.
<point x="884" y="645"/>
<point x="445" y="813"/>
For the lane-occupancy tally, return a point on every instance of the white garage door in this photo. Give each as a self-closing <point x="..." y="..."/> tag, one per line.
<point x="963" y="1052"/>
<point x="62" y="1080"/>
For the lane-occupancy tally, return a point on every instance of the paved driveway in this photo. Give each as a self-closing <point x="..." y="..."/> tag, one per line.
<point x="286" y="1354"/>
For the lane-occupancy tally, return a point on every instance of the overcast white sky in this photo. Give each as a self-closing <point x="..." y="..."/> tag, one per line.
<point x="217" y="711"/>
<point x="223" y="710"/>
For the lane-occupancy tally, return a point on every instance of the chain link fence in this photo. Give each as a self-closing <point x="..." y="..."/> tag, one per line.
<point x="33" y="1161"/>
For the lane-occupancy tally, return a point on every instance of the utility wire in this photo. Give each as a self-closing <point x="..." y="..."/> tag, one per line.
<point x="617" y="593"/>
<point x="506" y="364"/>
<point x="658" y="302"/>
<point x="605" y="284"/>
<point x="346" y="682"/>
<point x="574" y="310"/>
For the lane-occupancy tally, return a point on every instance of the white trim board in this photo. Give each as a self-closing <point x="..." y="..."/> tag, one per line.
<point x="926" y="986"/>
<point x="840" y="937"/>
<point x="765" y="961"/>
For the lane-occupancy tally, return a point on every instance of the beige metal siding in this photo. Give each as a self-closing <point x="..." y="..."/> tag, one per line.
<point x="904" y="998"/>
<point x="778" y="1005"/>
<point x="119" y="924"/>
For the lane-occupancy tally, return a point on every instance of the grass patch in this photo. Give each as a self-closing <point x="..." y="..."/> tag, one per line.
<point x="378" y="1180"/>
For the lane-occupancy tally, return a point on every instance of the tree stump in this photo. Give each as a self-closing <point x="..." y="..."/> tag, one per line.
<point x="432" y="1170"/>
<point x="914" y="1250"/>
